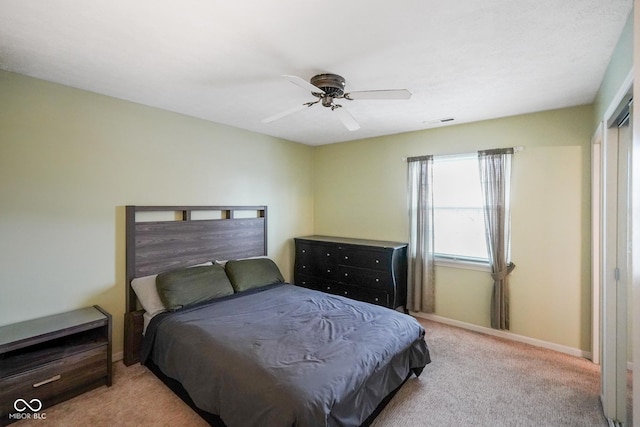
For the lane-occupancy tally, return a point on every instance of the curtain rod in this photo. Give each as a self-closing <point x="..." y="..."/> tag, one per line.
<point x="473" y="153"/>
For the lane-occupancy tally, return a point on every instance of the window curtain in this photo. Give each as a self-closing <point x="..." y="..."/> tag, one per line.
<point x="421" y="267"/>
<point x="495" y="178"/>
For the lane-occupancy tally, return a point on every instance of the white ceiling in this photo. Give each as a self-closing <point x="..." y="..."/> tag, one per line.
<point x="222" y="60"/>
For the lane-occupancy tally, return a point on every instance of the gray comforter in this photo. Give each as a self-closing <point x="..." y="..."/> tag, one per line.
<point x="287" y="356"/>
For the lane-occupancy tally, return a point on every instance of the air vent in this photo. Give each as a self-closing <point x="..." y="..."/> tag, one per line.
<point x="439" y="121"/>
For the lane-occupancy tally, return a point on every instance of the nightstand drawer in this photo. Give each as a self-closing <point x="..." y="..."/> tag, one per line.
<point x="52" y="380"/>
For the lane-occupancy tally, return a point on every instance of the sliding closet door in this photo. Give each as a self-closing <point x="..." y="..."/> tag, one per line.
<point x="624" y="261"/>
<point x="615" y="271"/>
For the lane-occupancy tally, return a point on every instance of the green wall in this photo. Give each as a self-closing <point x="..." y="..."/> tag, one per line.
<point x="360" y="191"/>
<point x="619" y="68"/>
<point x="71" y="160"/>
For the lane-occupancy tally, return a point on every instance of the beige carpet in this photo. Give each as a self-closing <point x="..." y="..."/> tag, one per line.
<point x="478" y="380"/>
<point x="474" y="380"/>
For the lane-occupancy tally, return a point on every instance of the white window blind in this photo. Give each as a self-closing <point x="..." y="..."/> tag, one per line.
<point x="459" y="230"/>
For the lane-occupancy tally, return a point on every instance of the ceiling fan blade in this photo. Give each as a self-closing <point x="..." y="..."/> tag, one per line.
<point x="347" y="119"/>
<point x="379" y="94"/>
<point x="303" y="83"/>
<point x="286" y="113"/>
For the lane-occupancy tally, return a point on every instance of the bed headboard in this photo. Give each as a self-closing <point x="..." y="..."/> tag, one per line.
<point x="162" y="238"/>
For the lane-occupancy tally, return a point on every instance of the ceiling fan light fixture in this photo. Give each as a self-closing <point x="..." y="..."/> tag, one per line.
<point x="327" y="101"/>
<point x="331" y="84"/>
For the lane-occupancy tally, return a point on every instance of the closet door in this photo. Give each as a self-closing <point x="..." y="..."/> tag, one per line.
<point x="615" y="272"/>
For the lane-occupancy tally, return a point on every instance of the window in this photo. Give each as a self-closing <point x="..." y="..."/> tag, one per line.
<point x="459" y="230"/>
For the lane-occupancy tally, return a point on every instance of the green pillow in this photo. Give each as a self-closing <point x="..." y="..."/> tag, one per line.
<point x="187" y="286"/>
<point x="252" y="273"/>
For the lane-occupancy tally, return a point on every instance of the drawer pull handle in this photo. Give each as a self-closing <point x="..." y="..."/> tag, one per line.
<point x="328" y="254"/>
<point x="50" y="380"/>
<point x="328" y="288"/>
<point x="346" y="257"/>
<point x="304" y="266"/>
<point x="377" y="280"/>
<point x="377" y="261"/>
<point x="345" y="292"/>
<point x="304" y="252"/>
<point x="377" y="299"/>
<point x="328" y="271"/>
<point x="346" y="274"/>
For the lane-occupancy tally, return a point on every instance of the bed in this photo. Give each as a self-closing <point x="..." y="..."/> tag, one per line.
<point x="242" y="347"/>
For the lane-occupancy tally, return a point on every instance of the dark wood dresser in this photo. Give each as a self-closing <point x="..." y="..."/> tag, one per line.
<point x="367" y="270"/>
<point x="47" y="360"/>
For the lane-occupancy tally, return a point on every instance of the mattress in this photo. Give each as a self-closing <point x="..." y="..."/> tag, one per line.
<point x="287" y="356"/>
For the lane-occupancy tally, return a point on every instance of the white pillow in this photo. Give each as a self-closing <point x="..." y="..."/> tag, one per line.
<point x="145" y="322"/>
<point x="145" y="289"/>
<point x="147" y="293"/>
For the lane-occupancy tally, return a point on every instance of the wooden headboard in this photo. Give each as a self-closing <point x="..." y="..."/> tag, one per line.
<point x="162" y="238"/>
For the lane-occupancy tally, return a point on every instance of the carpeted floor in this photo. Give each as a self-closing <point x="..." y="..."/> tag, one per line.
<point x="473" y="380"/>
<point x="478" y="380"/>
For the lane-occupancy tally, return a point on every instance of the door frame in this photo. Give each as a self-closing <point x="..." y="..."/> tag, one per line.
<point x="604" y="193"/>
<point x="596" y="237"/>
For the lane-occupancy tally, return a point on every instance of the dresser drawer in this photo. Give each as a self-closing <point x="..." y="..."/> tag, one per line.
<point x="364" y="258"/>
<point x="316" y="260"/>
<point x="318" y="284"/>
<point x="354" y="292"/>
<point x="373" y="297"/>
<point x="374" y="279"/>
<point x="326" y="286"/>
<point x="311" y="282"/>
<point x="54" y="379"/>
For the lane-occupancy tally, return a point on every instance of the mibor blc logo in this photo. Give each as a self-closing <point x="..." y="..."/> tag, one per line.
<point x="27" y="410"/>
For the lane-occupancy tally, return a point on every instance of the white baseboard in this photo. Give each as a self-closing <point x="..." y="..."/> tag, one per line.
<point x="507" y="335"/>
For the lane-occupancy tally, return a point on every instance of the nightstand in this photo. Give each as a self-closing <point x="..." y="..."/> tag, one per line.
<point x="48" y="360"/>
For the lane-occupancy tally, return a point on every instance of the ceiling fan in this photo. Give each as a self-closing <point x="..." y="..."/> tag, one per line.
<point x="329" y="87"/>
